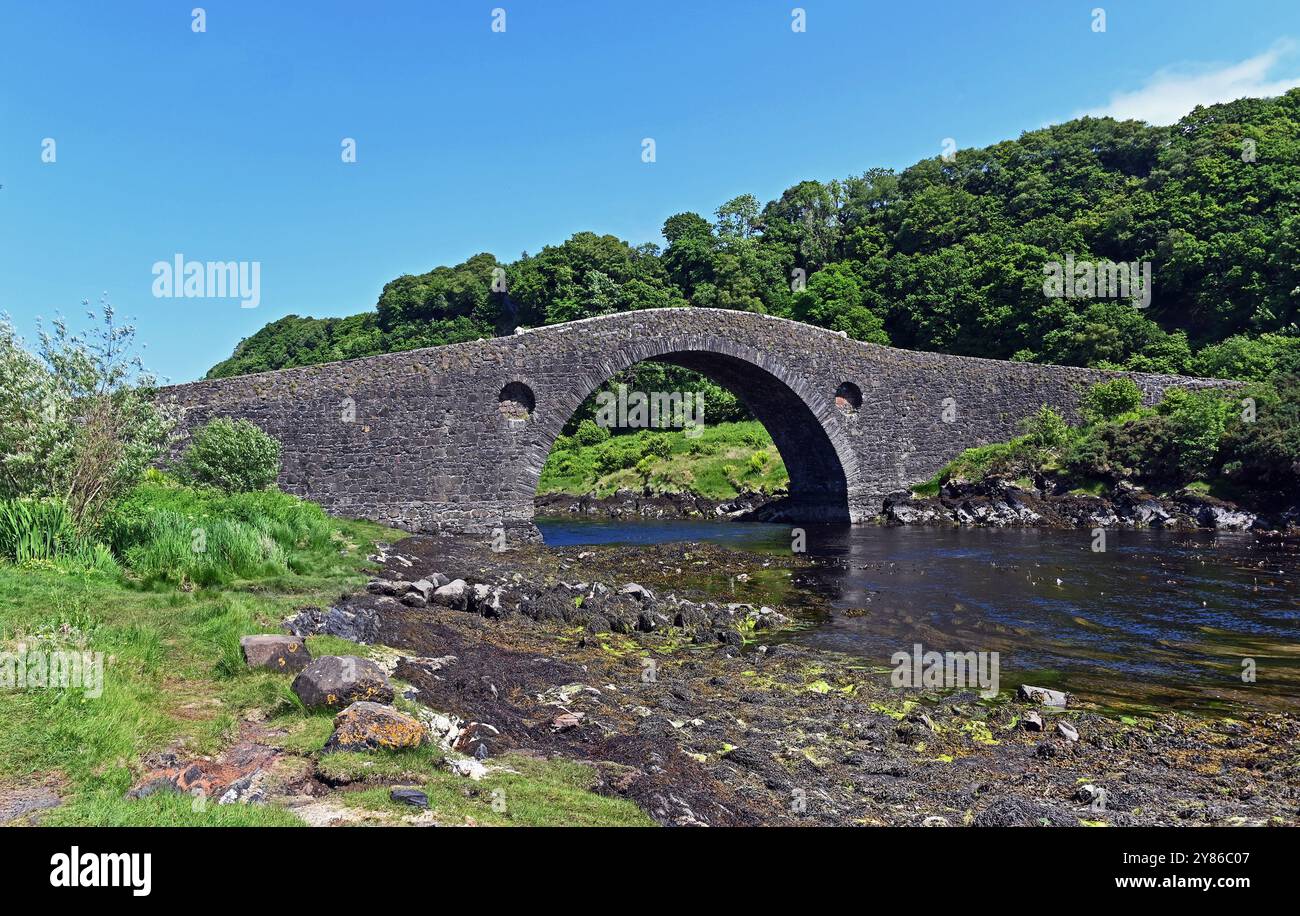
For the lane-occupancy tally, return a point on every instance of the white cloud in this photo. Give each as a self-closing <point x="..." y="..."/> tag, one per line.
<point x="1174" y="91"/>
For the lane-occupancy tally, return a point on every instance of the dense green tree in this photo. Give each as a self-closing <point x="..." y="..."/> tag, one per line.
<point x="1262" y="450"/>
<point x="946" y="255"/>
<point x="834" y="299"/>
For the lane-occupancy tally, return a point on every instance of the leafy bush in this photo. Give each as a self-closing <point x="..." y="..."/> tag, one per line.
<point x="1108" y="401"/>
<point x="1141" y="448"/>
<point x="616" y="454"/>
<point x="657" y="446"/>
<point x="1197" y="421"/>
<point x="78" y="420"/>
<point x="1173" y="446"/>
<point x="1247" y="358"/>
<point x="589" y="432"/>
<point x="1266" y="452"/>
<point x="232" y="455"/>
<point x="1047" y="430"/>
<point x="1004" y="459"/>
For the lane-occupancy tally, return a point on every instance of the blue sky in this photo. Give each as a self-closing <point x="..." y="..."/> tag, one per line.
<point x="225" y="145"/>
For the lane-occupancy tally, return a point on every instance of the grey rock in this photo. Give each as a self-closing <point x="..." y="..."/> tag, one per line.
<point x="352" y="621"/>
<point x="338" y="680"/>
<point x="1042" y="696"/>
<point x="385" y="587"/>
<point x="424" y="588"/>
<point x="413" y="797"/>
<point x="639" y="592"/>
<point x="275" y="653"/>
<point x="455" y="595"/>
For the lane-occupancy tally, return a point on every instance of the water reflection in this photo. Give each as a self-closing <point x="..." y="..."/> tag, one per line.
<point x="1159" y="619"/>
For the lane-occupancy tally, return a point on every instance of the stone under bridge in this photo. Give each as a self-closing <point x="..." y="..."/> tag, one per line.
<point x="453" y="438"/>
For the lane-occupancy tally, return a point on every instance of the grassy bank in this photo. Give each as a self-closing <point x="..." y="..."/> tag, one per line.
<point x="716" y="462"/>
<point x="167" y="619"/>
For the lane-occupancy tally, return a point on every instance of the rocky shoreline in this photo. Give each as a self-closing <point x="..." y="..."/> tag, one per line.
<point x="628" y="504"/>
<point x="694" y="706"/>
<point x="989" y="503"/>
<point x="998" y="503"/>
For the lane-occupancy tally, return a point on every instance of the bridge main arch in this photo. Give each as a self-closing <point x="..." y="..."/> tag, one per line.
<point x="825" y="485"/>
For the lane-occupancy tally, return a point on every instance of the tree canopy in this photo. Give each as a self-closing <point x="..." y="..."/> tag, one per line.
<point x="946" y="255"/>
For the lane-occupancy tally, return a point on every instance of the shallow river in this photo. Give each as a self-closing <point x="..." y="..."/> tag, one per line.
<point x="1157" y="620"/>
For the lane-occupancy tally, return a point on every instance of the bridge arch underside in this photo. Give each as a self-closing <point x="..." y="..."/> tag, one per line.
<point x="819" y="481"/>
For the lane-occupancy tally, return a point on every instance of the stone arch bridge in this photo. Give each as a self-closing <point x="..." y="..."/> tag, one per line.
<point x="453" y="438"/>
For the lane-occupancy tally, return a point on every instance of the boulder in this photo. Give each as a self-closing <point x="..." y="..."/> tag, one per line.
<point x="277" y="653"/>
<point x="566" y="720"/>
<point x="765" y="618"/>
<point x="455" y="595"/>
<point x="337" y="680"/>
<point x="424" y="588"/>
<point x="353" y="620"/>
<point x="1224" y="519"/>
<point x="486" y="600"/>
<point x="1093" y="796"/>
<point x="1041" y="695"/>
<point x="1151" y="514"/>
<point x="1067" y="731"/>
<point x="366" y="726"/>
<point x="413" y="797"/>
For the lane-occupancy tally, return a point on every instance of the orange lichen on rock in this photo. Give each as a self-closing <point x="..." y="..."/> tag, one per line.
<point x="372" y="726"/>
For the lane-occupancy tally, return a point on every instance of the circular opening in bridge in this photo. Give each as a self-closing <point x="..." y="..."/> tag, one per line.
<point x="516" y="401"/>
<point x="848" y="397"/>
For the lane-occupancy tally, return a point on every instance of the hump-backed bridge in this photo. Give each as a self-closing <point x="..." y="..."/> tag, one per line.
<point x="453" y="438"/>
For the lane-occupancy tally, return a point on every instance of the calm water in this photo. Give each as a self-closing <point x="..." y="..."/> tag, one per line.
<point x="1158" y="620"/>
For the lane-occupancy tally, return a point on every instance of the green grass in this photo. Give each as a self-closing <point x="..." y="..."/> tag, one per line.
<point x="1091" y="488"/>
<point x="37" y="532"/>
<point x="168" y="655"/>
<point x="174" y="677"/>
<point x="538" y="793"/>
<point x="719" y="463"/>
<point x="172" y="671"/>
<point x="166" y="532"/>
<point x="165" y="809"/>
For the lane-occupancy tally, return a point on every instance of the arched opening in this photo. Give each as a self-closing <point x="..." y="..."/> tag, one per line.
<point x="817" y="489"/>
<point x="848" y="397"/>
<point x="516" y="401"/>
